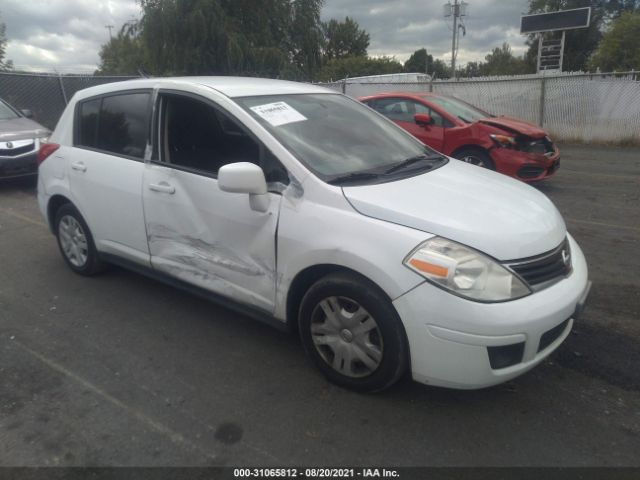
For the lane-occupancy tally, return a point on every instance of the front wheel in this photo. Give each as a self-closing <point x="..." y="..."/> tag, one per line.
<point x="475" y="156"/>
<point x="352" y="333"/>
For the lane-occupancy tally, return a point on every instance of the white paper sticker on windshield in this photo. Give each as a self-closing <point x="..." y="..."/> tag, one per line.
<point x="278" y="113"/>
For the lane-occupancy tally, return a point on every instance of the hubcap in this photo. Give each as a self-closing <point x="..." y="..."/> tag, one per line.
<point x="73" y="241"/>
<point x="473" y="160"/>
<point x="346" y="336"/>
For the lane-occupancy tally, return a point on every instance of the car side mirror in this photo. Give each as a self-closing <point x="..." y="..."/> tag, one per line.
<point x="423" y="119"/>
<point x="245" y="177"/>
<point x="27" y="113"/>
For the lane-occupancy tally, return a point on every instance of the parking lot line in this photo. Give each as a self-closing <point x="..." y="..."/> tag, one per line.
<point x="22" y="217"/>
<point x="175" y="437"/>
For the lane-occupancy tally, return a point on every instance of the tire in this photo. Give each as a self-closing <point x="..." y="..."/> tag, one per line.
<point x="352" y="333"/>
<point x="476" y="156"/>
<point x="76" y="242"/>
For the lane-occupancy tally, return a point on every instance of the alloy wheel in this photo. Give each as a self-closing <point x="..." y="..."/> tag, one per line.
<point x="73" y="241"/>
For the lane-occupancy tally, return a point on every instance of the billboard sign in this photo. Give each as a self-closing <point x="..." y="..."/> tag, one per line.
<point x="552" y="21"/>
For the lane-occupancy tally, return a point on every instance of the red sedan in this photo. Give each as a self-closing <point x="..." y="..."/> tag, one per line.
<point x="514" y="147"/>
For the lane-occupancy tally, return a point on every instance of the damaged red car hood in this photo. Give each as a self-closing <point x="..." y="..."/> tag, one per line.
<point x="514" y="125"/>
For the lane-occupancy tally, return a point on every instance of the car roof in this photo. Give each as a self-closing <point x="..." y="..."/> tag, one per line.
<point x="229" y="86"/>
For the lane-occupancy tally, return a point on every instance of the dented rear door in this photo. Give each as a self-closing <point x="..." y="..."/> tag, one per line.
<point x="210" y="238"/>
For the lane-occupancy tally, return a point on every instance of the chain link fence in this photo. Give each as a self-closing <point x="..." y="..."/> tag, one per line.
<point x="587" y="108"/>
<point x="46" y="95"/>
<point x="571" y="107"/>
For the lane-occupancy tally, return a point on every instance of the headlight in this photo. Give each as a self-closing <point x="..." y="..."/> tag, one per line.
<point x="465" y="272"/>
<point x="504" y="141"/>
<point x="43" y="139"/>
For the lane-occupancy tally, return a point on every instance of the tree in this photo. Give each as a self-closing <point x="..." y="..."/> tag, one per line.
<point x="281" y="38"/>
<point x="4" y="64"/>
<point x="307" y="36"/>
<point x="502" y="61"/>
<point x="123" y="54"/>
<point x="343" y="39"/>
<point x="357" y="66"/>
<point x="619" y="48"/>
<point x="419" y="62"/>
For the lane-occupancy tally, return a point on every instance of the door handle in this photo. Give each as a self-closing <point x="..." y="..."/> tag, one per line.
<point x="162" y="187"/>
<point x="79" y="166"/>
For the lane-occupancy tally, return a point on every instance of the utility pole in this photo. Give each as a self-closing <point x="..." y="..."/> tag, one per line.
<point x="457" y="10"/>
<point x="109" y="27"/>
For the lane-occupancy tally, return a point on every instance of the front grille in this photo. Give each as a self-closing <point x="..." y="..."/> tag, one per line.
<point x="546" y="267"/>
<point x="552" y="335"/>
<point x="542" y="146"/>
<point x="530" y="171"/>
<point x="14" y="152"/>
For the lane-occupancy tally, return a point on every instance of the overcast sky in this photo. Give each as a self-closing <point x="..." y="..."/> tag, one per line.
<point x="67" y="34"/>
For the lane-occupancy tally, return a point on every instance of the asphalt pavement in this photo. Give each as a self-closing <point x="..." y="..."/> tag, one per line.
<point x="120" y="370"/>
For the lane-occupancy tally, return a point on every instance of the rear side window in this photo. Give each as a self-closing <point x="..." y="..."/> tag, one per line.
<point x="117" y="123"/>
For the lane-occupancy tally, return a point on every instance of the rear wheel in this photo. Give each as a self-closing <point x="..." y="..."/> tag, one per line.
<point x="475" y="156"/>
<point x="352" y="333"/>
<point x="76" y="242"/>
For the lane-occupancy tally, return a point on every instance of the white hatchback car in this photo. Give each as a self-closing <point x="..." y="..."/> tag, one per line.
<point x="306" y="208"/>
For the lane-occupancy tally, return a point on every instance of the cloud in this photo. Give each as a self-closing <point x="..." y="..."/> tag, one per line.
<point x="61" y="34"/>
<point x="400" y="27"/>
<point x="67" y="34"/>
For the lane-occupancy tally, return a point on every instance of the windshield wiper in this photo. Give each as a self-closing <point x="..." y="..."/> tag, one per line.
<point x="411" y="160"/>
<point x="463" y="119"/>
<point x="353" y="177"/>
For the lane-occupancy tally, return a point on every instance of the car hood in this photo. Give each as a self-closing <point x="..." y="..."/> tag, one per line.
<point x="20" y="128"/>
<point x="490" y="212"/>
<point x="515" y="125"/>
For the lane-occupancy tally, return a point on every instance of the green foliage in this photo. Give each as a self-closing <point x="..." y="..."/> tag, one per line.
<point x="419" y="62"/>
<point x="422" y="62"/>
<point x="440" y="69"/>
<point x="620" y="45"/>
<point x="502" y="61"/>
<point x="344" y="39"/>
<point x="357" y="66"/>
<point x="273" y="38"/>
<point x="123" y="54"/>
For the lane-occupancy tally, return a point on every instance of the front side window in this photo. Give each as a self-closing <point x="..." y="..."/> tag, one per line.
<point x="199" y="137"/>
<point x="333" y="135"/>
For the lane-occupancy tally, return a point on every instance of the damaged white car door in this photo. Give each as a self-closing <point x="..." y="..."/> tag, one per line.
<point x="197" y="232"/>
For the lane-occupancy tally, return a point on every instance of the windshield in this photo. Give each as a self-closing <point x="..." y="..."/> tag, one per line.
<point x="6" y="112"/>
<point x="459" y="109"/>
<point x="335" y="136"/>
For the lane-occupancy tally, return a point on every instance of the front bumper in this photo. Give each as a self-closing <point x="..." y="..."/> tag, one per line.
<point x="22" y="166"/>
<point x="459" y="343"/>
<point x="528" y="167"/>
